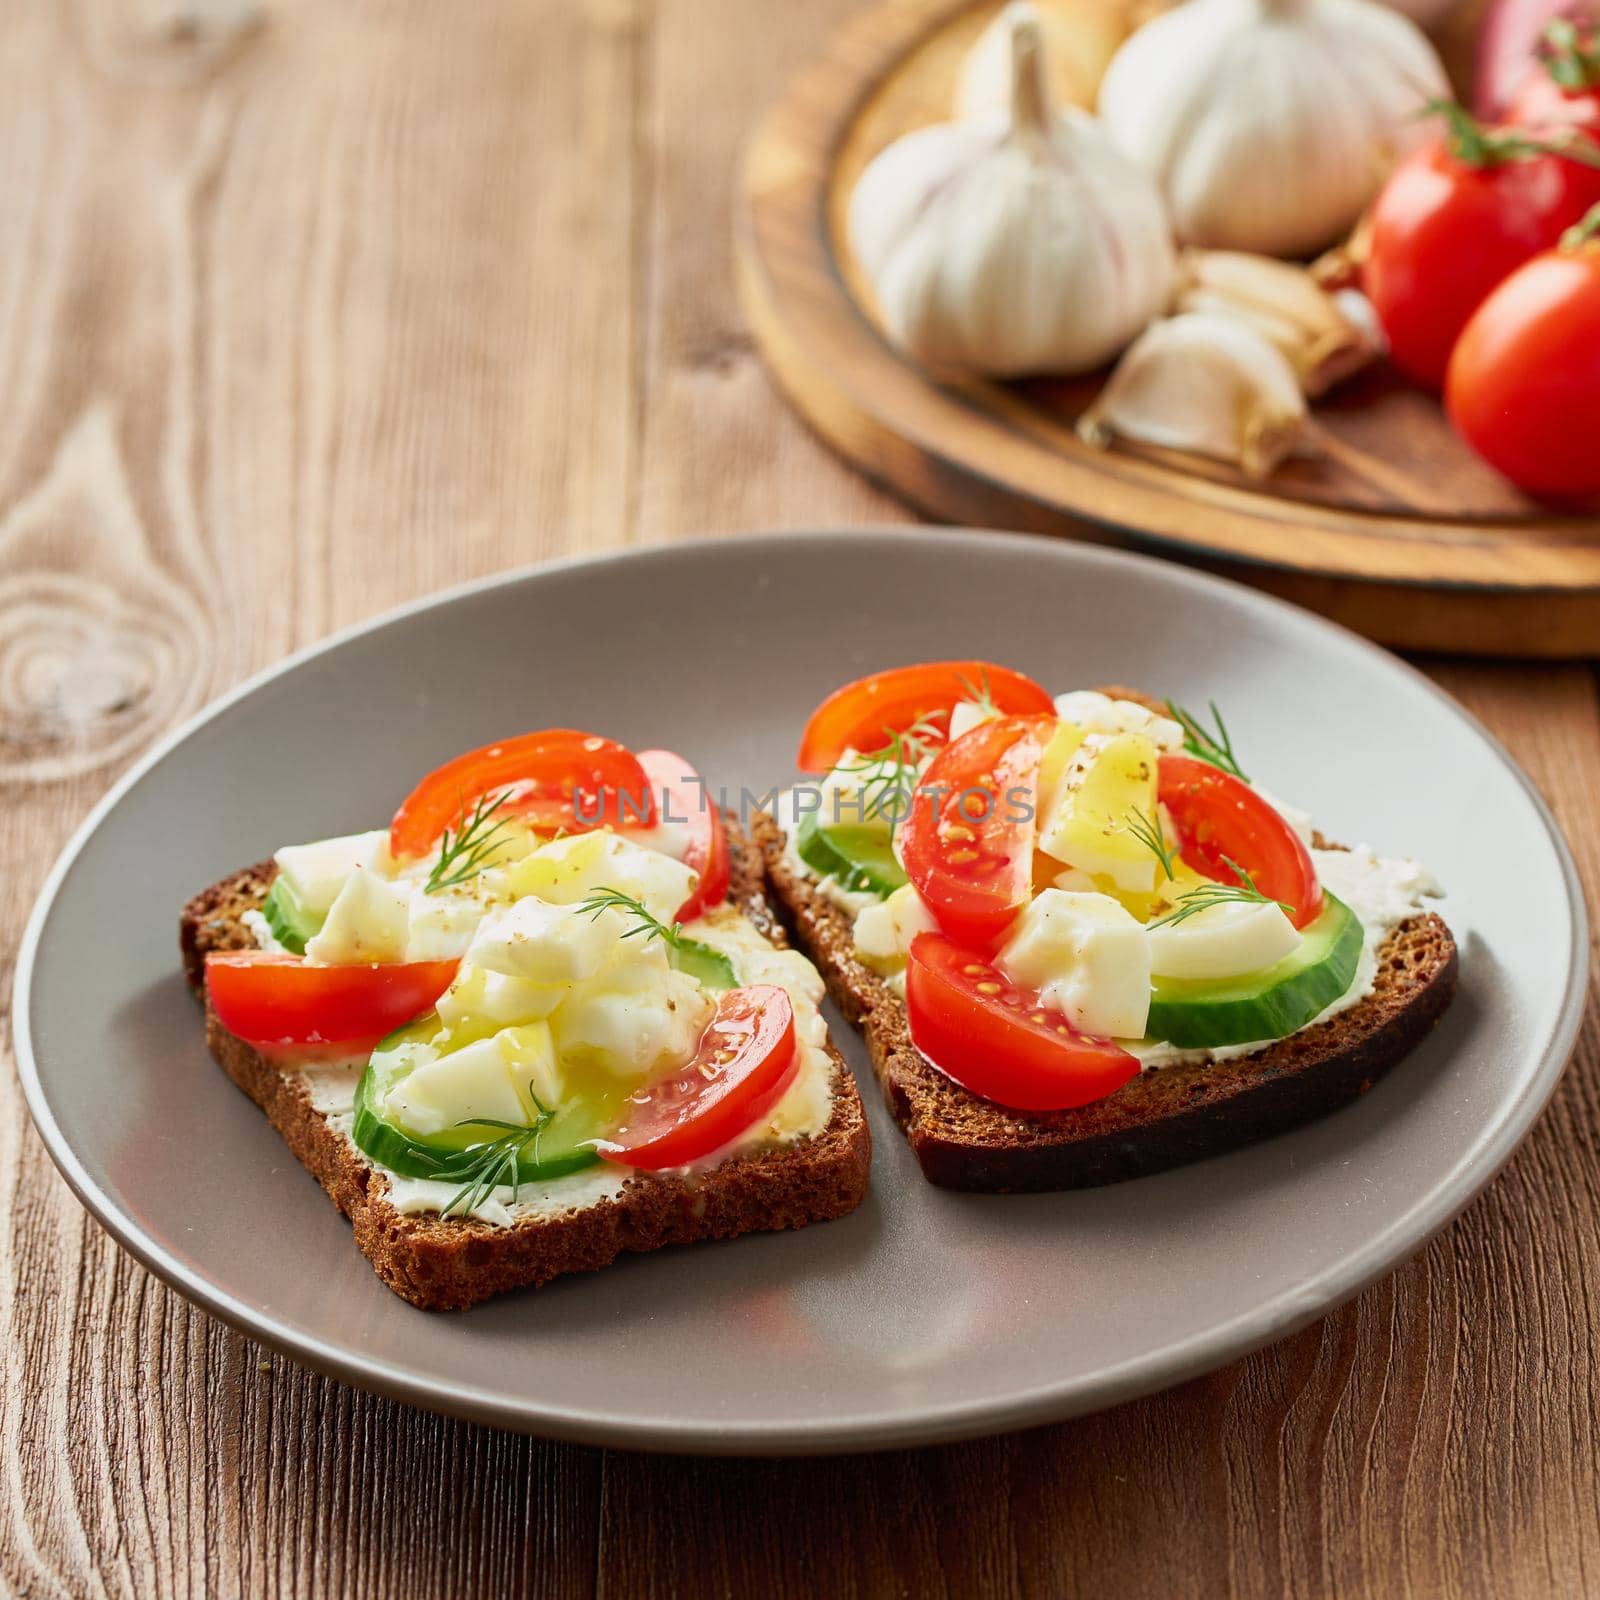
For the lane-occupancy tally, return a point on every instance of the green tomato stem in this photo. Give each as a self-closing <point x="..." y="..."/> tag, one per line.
<point x="1585" y="233"/>
<point x="1475" y="145"/>
<point x="1571" y="56"/>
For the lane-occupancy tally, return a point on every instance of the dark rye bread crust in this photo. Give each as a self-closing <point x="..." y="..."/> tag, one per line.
<point x="448" y="1263"/>
<point x="1158" y="1120"/>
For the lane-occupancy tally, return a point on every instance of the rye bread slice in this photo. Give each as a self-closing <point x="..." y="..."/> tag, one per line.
<point x="444" y="1264"/>
<point x="1162" y="1118"/>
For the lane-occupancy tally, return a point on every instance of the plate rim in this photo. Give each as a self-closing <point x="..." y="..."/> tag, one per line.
<point x="1217" y="1345"/>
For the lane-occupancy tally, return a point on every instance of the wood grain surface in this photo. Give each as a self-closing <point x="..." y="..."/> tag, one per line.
<point x="1388" y="500"/>
<point x="307" y="313"/>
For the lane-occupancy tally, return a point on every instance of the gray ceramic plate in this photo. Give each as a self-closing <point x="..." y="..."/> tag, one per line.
<point x="926" y="1315"/>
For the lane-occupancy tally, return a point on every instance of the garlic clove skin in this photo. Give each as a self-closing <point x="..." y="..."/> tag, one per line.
<point x="1269" y="124"/>
<point x="1324" y="344"/>
<point x="1012" y="243"/>
<point x="1205" y="384"/>
<point x="1260" y="282"/>
<point x="1078" y="38"/>
<point x="1362" y="315"/>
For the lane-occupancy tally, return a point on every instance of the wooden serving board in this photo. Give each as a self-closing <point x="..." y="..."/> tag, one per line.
<point x="1394" y="527"/>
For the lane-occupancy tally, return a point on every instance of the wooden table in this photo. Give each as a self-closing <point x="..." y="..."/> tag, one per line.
<point x="301" y="322"/>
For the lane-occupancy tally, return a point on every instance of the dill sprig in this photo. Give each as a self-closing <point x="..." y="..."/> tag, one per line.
<point x="1194" y="901"/>
<point x="1150" y="832"/>
<point x="980" y="693"/>
<point x="466" y="852"/>
<point x="1198" y="740"/>
<point x="495" y="1164"/>
<point x="893" y="769"/>
<point x="644" y="923"/>
<point x="693" y="956"/>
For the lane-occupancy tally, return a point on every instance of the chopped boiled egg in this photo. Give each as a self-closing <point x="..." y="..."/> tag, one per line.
<point x="566" y="871"/>
<point x="965" y="715"/>
<point x="1222" y="941"/>
<point x="641" y="1017"/>
<point x="1088" y="957"/>
<point x="317" y="871"/>
<point x="493" y="1078"/>
<point x="443" y="923"/>
<point x="1064" y="744"/>
<point x="1099" y="713"/>
<point x="885" y="928"/>
<point x="530" y="1053"/>
<point x="369" y="921"/>
<point x="1109" y="779"/>
<point x="544" y="943"/>
<point x="480" y="997"/>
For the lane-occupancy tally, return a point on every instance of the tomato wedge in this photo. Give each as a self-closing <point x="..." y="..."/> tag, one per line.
<point x="1220" y="818"/>
<point x="685" y="806"/>
<point x="862" y="715"/>
<point x="563" y="779"/>
<point x="967" y="842"/>
<point x="267" y="998"/>
<point x="746" y="1060"/>
<point x="997" y="1040"/>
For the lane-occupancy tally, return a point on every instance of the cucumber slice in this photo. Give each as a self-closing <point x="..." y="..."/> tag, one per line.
<point x="1270" y="1004"/>
<point x="452" y="1154"/>
<point x="711" y="967"/>
<point x="860" y="859"/>
<point x="287" y="917"/>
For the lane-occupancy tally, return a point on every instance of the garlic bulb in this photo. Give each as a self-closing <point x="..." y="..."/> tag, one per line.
<point x="1079" y="38"/>
<point x="1324" y="344"/>
<point x="1269" y="124"/>
<point x="1207" y="384"/>
<point x="1013" y="243"/>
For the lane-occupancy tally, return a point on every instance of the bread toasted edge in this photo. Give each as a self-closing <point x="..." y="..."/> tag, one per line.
<point x="1161" y="1119"/>
<point x="450" y="1263"/>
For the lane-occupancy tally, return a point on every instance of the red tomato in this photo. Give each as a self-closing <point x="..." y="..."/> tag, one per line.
<point x="1220" y="819"/>
<point x="1564" y="88"/>
<point x="685" y="804"/>
<point x="862" y="715"/>
<point x="1509" y="38"/>
<point x="746" y="1060"/>
<point x="266" y="998"/>
<point x="564" y="779"/>
<point x="1524" y="382"/>
<point x="1454" y="219"/>
<point x="967" y="841"/>
<point x="997" y="1040"/>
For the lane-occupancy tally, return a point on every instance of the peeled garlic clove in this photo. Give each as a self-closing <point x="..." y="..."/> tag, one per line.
<point x="1206" y="384"/>
<point x="1014" y="243"/>
<point x="1078" y="40"/>
<point x="1269" y="124"/>
<point x="1284" y="303"/>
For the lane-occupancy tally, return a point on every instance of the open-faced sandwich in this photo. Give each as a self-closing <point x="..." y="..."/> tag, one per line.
<point x="545" y="1017"/>
<point x="1081" y="944"/>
